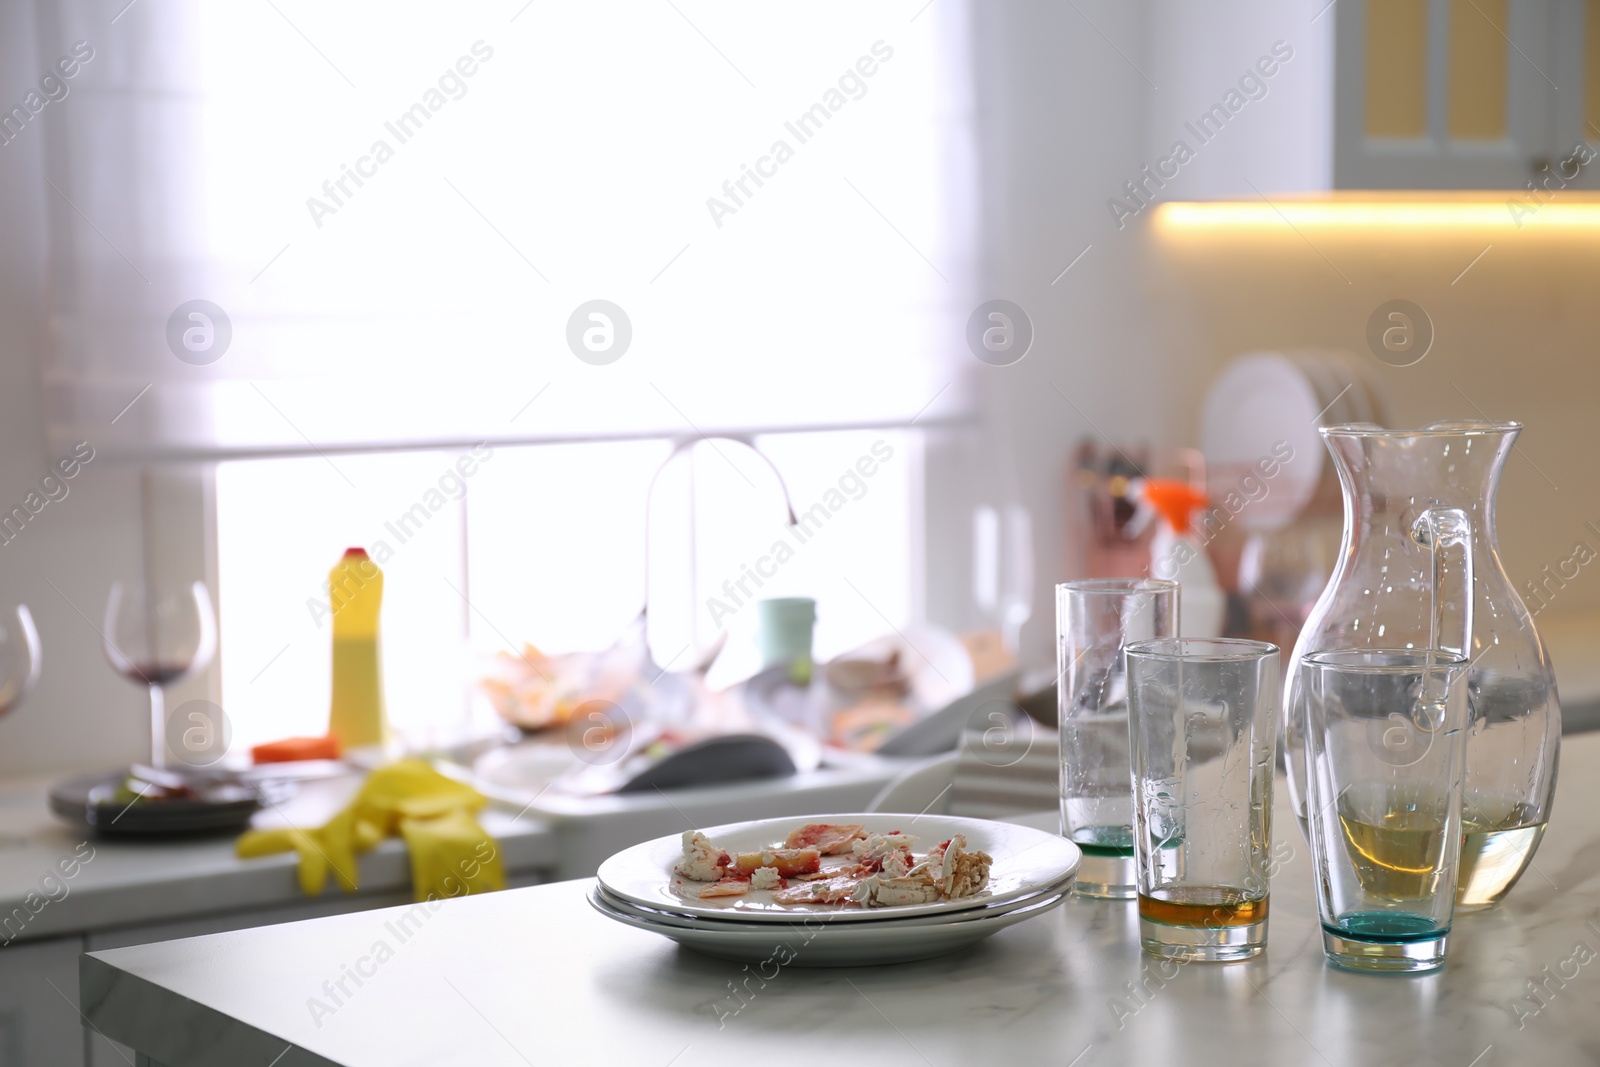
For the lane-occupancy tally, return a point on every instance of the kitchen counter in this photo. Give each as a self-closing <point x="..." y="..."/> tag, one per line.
<point x="122" y="882"/>
<point x="130" y="883"/>
<point x="534" y="975"/>
<point x="62" y="892"/>
<point x="127" y="883"/>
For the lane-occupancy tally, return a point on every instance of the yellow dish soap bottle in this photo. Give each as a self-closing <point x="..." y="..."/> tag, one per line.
<point x="355" y="592"/>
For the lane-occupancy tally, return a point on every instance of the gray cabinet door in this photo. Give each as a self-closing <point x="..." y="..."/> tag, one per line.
<point x="1577" y="121"/>
<point x="1445" y="94"/>
<point x="39" y="1020"/>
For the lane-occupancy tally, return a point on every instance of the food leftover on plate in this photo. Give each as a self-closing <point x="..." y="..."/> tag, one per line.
<point x="844" y="864"/>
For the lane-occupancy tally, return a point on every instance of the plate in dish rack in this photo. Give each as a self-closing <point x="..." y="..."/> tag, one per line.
<point x="1025" y="862"/>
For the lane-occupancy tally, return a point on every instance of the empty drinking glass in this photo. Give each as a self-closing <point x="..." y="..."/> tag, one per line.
<point x="1385" y="750"/>
<point x="1095" y="620"/>
<point x="1203" y="716"/>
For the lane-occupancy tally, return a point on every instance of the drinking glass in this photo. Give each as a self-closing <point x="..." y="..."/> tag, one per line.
<point x="1385" y="752"/>
<point x="19" y="658"/>
<point x="155" y="637"/>
<point x="1203" y="716"/>
<point x="1095" y="620"/>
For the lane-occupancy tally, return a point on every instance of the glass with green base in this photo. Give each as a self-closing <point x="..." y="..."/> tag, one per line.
<point x="1386" y="747"/>
<point x="1096" y="619"/>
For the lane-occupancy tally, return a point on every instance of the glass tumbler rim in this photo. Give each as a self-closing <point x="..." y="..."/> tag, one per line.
<point x="1360" y="660"/>
<point x="1202" y="649"/>
<point x="1117" y="586"/>
<point x="1453" y="428"/>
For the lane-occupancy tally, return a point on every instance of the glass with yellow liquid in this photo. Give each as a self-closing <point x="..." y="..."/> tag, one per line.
<point x="1202" y="725"/>
<point x="1498" y="840"/>
<point x="1386" y="748"/>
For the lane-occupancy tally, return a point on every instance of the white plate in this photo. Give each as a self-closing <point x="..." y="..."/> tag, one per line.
<point x="1259" y="400"/>
<point x="844" y="945"/>
<point x="815" y="922"/>
<point x="1026" y="862"/>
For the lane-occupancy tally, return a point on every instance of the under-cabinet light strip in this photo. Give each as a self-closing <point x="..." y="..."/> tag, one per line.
<point x="1508" y="211"/>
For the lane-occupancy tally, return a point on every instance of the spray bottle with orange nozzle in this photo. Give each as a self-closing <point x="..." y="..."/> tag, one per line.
<point x="1177" y="553"/>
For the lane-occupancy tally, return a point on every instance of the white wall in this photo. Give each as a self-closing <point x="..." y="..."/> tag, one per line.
<point x="1514" y="338"/>
<point x="82" y="715"/>
<point x="1282" y="141"/>
<point x="1061" y="118"/>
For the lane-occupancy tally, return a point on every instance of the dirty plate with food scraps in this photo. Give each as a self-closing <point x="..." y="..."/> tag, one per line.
<point x="1025" y="862"/>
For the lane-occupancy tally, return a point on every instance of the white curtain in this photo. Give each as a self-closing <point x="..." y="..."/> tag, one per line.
<point x="399" y="207"/>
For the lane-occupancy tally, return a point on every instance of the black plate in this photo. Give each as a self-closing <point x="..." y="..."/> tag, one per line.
<point x="90" y="801"/>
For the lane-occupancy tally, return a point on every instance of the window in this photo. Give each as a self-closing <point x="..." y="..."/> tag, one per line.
<point x="546" y="545"/>
<point x="400" y="211"/>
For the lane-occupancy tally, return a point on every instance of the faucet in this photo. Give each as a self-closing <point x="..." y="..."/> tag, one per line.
<point x="706" y="653"/>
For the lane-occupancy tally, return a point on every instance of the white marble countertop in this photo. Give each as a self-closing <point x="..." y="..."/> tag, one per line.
<point x="534" y="975"/>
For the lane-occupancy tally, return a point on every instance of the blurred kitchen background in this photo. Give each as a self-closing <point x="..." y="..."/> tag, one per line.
<point x="375" y="340"/>
<point x="390" y="312"/>
<point x="598" y="325"/>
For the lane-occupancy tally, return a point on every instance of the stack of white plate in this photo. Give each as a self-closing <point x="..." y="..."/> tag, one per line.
<point x="1032" y="872"/>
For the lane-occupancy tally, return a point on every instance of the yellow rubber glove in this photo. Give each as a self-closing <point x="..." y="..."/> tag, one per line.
<point x="314" y="847"/>
<point x="451" y="855"/>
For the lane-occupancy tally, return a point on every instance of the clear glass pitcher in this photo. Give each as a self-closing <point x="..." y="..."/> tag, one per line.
<point x="1418" y="532"/>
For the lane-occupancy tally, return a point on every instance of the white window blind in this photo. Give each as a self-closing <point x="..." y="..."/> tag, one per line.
<point x="399" y="207"/>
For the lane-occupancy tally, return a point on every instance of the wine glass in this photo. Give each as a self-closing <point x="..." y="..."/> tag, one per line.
<point x="1002" y="580"/>
<point x="19" y="658"/>
<point x="155" y="636"/>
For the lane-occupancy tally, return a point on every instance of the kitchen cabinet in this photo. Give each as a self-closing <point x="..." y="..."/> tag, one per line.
<point x="1466" y="94"/>
<point x="1305" y="97"/>
<point x="39" y="1020"/>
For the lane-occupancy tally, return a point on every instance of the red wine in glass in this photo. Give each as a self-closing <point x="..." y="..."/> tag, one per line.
<point x="155" y="673"/>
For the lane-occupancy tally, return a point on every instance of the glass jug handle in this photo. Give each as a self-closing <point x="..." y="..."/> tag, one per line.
<point x="1447" y="532"/>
